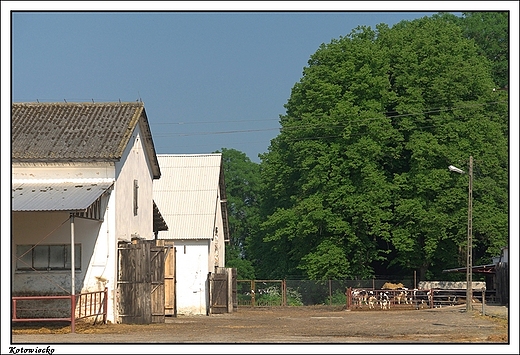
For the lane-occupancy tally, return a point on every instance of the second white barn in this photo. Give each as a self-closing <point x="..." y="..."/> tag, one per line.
<point x="191" y="197"/>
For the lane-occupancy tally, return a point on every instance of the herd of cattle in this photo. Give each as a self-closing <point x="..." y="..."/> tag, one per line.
<point x="403" y="297"/>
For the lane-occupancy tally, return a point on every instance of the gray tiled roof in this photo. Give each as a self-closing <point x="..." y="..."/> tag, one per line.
<point x="54" y="132"/>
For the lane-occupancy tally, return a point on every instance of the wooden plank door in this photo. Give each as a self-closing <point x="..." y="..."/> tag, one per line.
<point x="133" y="283"/>
<point x="170" y="303"/>
<point x="219" y="292"/>
<point x="157" y="282"/>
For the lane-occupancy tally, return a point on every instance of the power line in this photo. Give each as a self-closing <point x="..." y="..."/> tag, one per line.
<point x="213" y="122"/>
<point x="216" y="132"/>
<point x="387" y="115"/>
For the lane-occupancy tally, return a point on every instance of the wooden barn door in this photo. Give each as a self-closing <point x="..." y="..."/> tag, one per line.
<point x="157" y="281"/>
<point x="223" y="290"/>
<point x="218" y="292"/>
<point x="140" y="282"/>
<point x="134" y="284"/>
<point x="170" y="304"/>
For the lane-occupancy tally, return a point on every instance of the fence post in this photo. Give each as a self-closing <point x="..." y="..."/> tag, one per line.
<point x="253" y="293"/>
<point x="229" y="275"/>
<point x="330" y="292"/>
<point x="483" y="301"/>
<point x="105" y="306"/>
<point x="284" y="293"/>
<point x="349" y="298"/>
<point x="14" y="310"/>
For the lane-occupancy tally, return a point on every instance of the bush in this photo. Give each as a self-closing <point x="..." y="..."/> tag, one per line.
<point x="338" y="298"/>
<point x="268" y="297"/>
<point x="294" y="298"/>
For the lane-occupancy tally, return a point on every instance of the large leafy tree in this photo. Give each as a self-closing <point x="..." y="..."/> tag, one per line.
<point x="490" y="31"/>
<point x="357" y="181"/>
<point x="441" y="75"/>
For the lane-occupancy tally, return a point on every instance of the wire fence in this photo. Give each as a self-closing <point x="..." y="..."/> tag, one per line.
<point x="260" y="293"/>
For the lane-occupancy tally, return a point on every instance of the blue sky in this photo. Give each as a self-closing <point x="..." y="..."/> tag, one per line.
<point x="208" y="80"/>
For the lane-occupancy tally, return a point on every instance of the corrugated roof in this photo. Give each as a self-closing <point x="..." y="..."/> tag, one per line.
<point x="56" y="195"/>
<point x="77" y="131"/>
<point x="187" y="194"/>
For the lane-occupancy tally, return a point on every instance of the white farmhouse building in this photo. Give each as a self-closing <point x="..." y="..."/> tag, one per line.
<point x="192" y="199"/>
<point x="82" y="174"/>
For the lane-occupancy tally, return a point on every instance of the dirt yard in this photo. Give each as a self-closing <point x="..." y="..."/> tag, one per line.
<point x="290" y="325"/>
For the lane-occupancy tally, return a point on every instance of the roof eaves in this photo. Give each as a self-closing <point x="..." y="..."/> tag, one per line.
<point x="148" y="143"/>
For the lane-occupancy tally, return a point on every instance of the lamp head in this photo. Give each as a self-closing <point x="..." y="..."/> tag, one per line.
<point x="455" y="169"/>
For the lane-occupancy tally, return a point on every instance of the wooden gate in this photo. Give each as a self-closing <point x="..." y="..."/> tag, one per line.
<point x="218" y="291"/>
<point x="222" y="285"/>
<point x="140" y="282"/>
<point x="157" y="291"/>
<point x="170" y="299"/>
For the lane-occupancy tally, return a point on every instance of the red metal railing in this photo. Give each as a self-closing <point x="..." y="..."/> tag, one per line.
<point x="91" y="304"/>
<point x="88" y="304"/>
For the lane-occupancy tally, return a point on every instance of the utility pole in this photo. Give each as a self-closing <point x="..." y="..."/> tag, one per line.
<point x="469" y="261"/>
<point x="469" y="242"/>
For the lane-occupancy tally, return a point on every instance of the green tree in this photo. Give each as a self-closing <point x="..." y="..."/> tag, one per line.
<point x="357" y="180"/>
<point x="490" y="30"/>
<point x="441" y="76"/>
<point x="242" y="178"/>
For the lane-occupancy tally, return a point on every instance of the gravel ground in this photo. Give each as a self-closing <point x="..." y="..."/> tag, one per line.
<point x="325" y="325"/>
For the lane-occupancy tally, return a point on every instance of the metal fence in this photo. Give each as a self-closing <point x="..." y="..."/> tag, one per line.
<point x="385" y="299"/>
<point x="64" y="308"/>
<point x="258" y="293"/>
<point x="351" y="294"/>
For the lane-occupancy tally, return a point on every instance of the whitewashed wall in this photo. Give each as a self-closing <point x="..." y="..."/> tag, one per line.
<point x="102" y="269"/>
<point x="136" y="166"/>
<point x="217" y="253"/>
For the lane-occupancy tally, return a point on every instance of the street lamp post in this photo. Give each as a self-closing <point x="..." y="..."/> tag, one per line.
<point x="469" y="251"/>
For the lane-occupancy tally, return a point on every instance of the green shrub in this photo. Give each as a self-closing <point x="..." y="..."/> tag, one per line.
<point x="294" y="298"/>
<point x="338" y="297"/>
